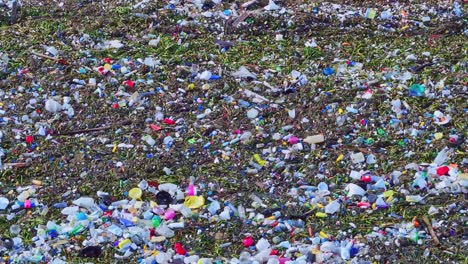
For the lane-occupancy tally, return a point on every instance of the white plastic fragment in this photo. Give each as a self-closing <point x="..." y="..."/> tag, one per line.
<point x="3" y="203"/>
<point x="357" y="157"/>
<point x="332" y="207"/>
<point x="243" y="72"/>
<point x="53" y="106"/>
<point x="354" y="189"/>
<point x="314" y="139"/>
<point x="272" y="6"/>
<point x="115" y="44"/>
<point x="252" y="113"/>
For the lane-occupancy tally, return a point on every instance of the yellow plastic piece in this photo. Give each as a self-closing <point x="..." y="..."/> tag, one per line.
<point x="124" y="242"/>
<point x="323" y="235"/>
<point x="340" y="157"/>
<point x="194" y="202"/>
<point x="320" y="215"/>
<point x="135" y="193"/>
<point x="259" y="160"/>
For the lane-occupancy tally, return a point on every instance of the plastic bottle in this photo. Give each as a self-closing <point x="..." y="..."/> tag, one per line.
<point x="371" y="159"/>
<point x="149" y="140"/>
<point x="314" y="139"/>
<point x="116" y="230"/>
<point x="77" y="229"/>
<point x="414" y="198"/>
<point x="328" y="71"/>
<point x="4" y="203"/>
<point x="156" y="221"/>
<point x="176" y="225"/>
<point x="262" y="244"/>
<point x="232" y="207"/>
<point x="457" y="9"/>
<point x="169" y="214"/>
<point x="53" y="106"/>
<point x="119" y="203"/>
<point x="85" y="202"/>
<point x="345" y="248"/>
<point x="241" y="210"/>
<point x="181" y="208"/>
<point x="206" y="75"/>
<point x="214" y="206"/>
<point x="164" y="230"/>
<point x="225" y="215"/>
<point x="354" y="189"/>
<point x="70" y="210"/>
<point x="442" y="156"/>
<point x="252" y="113"/>
<point x="15" y="230"/>
<point x="417" y="90"/>
<point x="191" y="191"/>
<point x="332" y="207"/>
<point x="284" y="244"/>
<point x="357" y="157"/>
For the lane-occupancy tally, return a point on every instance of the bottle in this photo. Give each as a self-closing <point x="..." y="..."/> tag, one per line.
<point x="456" y="9"/>
<point x="60" y="205"/>
<point x="53" y="106"/>
<point x="149" y="140"/>
<point x="191" y="191"/>
<point x="225" y="215"/>
<point x="85" y="202"/>
<point x="441" y="156"/>
<point x="232" y="207"/>
<point x="176" y="225"/>
<point x="27" y="204"/>
<point x="213" y="207"/>
<point x="156" y="221"/>
<point x="15" y="230"/>
<point x="115" y="230"/>
<point x="262" y="244"/>
<point x="332" y="207"/>
<point x="241" y="210"/>
<point x="164" y="230"/>
<point x="4" y="203"/>
<point x="77" y="229"/>
<point x="70" y="210"/>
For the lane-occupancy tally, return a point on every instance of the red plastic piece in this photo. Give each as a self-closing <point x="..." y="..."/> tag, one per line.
<point x="29" y="139"/>
<point x="248" y="242"/>
<point x="179" y="249"/>
<point x="366" y="178"/>
<point x="169" y="121"/>
<point x="130" y="83"/>
<point x="441" y="171"/>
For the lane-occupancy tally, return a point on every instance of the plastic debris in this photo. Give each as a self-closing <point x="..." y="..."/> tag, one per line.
<point x="250" y="132"/>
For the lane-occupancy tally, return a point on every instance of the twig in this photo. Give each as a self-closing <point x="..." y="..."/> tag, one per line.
<point x="431" y="231"/>
<point x="17" y="165"/>
<point x="240" y="19"/>
<point x="14" y="12"/>
<point x="420" y="67"/>
<point x="44" y="56"/>
<point x="81" y="131"/>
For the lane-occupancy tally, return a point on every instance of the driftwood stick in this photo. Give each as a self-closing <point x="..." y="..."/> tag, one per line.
<point x="431" y="231"/>
<point x="14" y="12"/>
<point x="240" y="19"/>
<point x="44" y="56"/>
<point x="16" y="165"/>
<point x="82" y="131"/>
